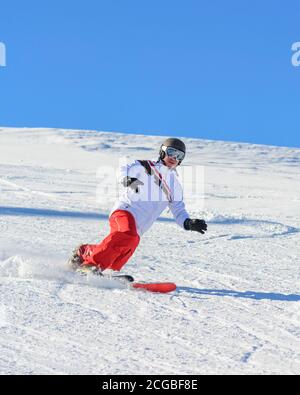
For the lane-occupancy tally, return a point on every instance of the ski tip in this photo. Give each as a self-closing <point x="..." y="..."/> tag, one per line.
<point x="155" y="287"/>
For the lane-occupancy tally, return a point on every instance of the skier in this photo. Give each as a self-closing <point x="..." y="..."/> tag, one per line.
<point x="148" y="188"/>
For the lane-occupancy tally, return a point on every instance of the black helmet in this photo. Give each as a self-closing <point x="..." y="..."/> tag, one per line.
<point x="174" y="143"/>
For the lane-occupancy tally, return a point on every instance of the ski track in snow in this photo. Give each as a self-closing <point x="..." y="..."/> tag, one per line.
<point x="237" y="306"/>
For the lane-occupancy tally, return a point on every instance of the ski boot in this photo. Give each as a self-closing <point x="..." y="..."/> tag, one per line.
<point x="75" y="260"/>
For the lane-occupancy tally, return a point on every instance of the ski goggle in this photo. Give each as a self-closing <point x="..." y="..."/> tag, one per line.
<point x="174" y="153"/>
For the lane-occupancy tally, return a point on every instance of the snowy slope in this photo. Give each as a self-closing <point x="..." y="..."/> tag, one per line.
<point x="237" y="307"/>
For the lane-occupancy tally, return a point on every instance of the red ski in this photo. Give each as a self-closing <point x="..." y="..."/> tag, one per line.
<point x="155" y="287"/>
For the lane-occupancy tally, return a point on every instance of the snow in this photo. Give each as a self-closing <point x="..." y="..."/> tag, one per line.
<point x="237" y="306"/>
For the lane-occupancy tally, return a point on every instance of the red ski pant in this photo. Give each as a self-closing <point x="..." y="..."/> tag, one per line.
<point x="116" y="249"/>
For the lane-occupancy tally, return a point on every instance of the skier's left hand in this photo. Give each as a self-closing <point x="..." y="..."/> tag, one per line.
<point x="198" y="225"/>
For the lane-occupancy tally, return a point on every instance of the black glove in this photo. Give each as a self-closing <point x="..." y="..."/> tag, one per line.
<point x="198" y="225"/>
<point x="132" y="183"/>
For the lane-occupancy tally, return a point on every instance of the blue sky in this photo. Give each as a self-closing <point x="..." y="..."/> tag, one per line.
<point x="209" y="69"/>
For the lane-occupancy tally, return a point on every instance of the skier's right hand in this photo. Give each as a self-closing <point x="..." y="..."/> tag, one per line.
<point x="133" y="183"/>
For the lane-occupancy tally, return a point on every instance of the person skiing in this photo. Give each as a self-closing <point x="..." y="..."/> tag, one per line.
<point x="148" y="188"/>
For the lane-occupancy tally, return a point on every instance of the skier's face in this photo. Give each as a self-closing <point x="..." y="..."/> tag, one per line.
<point x="170" y="162"/>
<point x="172" y="156"/>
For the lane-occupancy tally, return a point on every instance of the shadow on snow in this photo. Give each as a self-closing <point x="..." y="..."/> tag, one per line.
<point x="245" y="295"/>
<point x="36" y="212"/>
<point x="39" y="212"/>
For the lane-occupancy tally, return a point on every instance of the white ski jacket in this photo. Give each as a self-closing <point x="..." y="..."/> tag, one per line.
<point x="161" y="189"/>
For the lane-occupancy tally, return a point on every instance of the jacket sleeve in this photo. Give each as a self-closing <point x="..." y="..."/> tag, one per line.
<point x="177" y="207"/>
